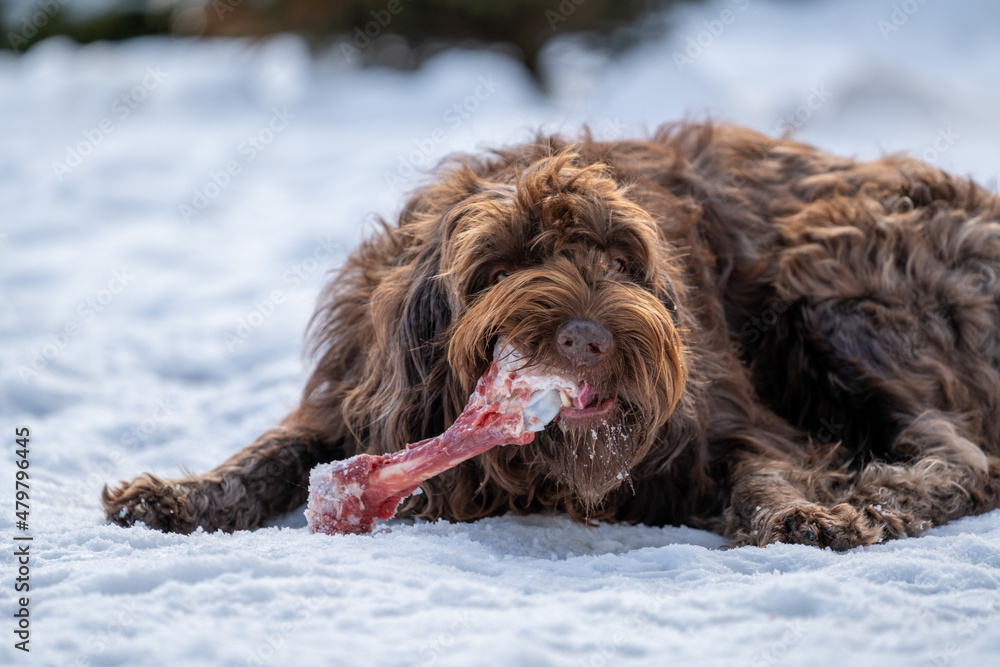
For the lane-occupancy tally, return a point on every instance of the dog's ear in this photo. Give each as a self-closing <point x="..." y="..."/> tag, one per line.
<point x="664" y="289"/>
<point x="668" y="300"/>
<point x="425" y="318"/>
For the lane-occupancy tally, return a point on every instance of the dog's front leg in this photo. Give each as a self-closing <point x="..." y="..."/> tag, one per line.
<point x="775" y="500"/>
<point x="939" y="475"/>
<point x="262" y="481"/>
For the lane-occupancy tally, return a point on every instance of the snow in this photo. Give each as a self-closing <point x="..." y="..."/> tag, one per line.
<point x="138" y="335"/>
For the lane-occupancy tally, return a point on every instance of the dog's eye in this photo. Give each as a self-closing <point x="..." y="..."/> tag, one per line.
<point x="618" y="265"/>
<point x="497" y="276"/>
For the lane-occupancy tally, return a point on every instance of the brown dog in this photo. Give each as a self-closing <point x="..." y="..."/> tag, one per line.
<point x="785" y="345"/>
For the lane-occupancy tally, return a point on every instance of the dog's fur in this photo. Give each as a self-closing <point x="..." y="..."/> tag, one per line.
<point x="806" y="348"/>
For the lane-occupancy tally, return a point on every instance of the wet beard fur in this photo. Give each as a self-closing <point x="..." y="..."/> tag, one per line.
<point x="590" y="461"/>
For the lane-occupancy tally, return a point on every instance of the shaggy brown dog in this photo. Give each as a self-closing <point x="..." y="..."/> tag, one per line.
<point x="786" y="345"/>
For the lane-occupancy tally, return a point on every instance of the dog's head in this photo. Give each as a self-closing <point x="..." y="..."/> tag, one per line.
<point x="556" y="257"/>
<point x="560" y="262"/>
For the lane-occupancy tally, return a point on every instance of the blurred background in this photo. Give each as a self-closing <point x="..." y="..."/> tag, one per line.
<point x="394" y="38"/>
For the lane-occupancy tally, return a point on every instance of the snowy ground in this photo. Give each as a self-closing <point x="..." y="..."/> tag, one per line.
<point x="154" y="304"/>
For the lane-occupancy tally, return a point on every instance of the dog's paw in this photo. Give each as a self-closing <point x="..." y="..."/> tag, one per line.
<point x="149" y="500"/>
<point x="840" y="527"/>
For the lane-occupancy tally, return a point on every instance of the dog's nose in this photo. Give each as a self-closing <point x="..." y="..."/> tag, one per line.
<point x="583" y="342"/>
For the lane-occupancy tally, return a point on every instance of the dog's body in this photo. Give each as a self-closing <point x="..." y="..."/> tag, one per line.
<point x="784" y="345"/>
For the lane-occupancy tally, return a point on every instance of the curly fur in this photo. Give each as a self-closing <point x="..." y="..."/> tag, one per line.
<point x="805" y="347"/>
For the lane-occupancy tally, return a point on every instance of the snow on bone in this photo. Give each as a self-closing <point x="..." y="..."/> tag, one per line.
<point x="510" y="403"/>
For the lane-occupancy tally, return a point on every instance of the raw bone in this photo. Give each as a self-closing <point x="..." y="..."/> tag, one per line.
<point x="508" y="406"/>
